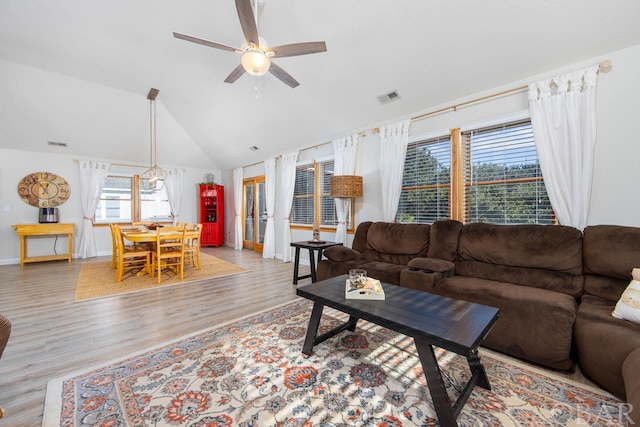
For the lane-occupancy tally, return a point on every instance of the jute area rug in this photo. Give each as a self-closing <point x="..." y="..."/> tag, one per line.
<point x="251" y="372"/>
<point x="98" y="279"/>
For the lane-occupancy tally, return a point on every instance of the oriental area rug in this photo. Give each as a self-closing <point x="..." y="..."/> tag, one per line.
<point x="98" y="279"/>
<point x="251" y="372"/>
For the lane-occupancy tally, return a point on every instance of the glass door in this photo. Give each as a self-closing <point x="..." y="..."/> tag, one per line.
<point x="254" y="213"/>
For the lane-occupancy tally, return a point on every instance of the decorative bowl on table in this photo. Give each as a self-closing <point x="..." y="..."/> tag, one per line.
<point x="154" y="226"/>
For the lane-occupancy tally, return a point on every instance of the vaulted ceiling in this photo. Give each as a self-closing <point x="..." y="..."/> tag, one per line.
<point x="80" y="70"/>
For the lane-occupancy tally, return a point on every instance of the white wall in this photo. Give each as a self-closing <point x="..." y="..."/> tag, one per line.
<point x="615" y="195"/>
<point x="16" y="164"/>
<point x="615" y="198"/>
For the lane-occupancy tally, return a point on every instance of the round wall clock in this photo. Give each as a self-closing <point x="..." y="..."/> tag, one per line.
<point x="44" y="189"/>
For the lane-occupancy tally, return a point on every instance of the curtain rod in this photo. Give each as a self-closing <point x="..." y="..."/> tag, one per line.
<point x="127" y="165"/>
<point x="604" y="65"/>
<point x="361" y="134"/>
<point x="462" y="104"/>
<point x="120" y="164"/>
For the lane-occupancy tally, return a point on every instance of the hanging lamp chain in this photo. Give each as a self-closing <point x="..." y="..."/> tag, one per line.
<point x="151" y="133"/>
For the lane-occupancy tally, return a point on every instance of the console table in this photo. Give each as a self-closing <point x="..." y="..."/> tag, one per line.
<point x="25" y="231"/>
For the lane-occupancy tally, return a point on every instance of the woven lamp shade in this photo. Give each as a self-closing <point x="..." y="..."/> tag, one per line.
<point x="346" y="186"/>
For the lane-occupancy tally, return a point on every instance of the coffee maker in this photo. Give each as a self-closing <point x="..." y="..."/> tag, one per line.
<point x="48" y="215"/>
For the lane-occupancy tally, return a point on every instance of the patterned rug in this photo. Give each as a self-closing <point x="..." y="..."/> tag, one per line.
<point x="98" y="279"/>
<point x="251" y="372"/>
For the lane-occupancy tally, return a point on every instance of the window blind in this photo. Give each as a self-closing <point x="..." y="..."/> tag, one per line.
<point x="503" y="181"/>
<point x="328" y="216"/>
<point x="311" y="201"/>
<point x="302" y="207"/>
<point x="116" y="202"/>
<point x="426" y="182"/>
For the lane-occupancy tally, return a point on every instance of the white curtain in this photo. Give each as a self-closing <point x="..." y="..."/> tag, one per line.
<point x="563" y="117"/>
<point x="238" y="176"/>
<point x="344" y="150"/>
<point x="394" y="139"/>
<point x="175" y="188"/>
<point x="288" y="183"/>
<point x="92" y="177"/>
<point x="269" y="248"/>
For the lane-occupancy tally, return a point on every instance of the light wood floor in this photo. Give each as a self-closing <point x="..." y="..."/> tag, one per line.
<point x="53" y="336"/>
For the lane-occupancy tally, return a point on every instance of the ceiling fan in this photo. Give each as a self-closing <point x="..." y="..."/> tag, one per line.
<point x="256" y="54"/>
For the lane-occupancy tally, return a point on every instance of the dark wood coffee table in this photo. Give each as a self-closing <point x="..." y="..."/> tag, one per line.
<point x="431" y="320"/>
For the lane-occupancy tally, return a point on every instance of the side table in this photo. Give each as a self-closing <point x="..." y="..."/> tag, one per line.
<point x="311" y="246"/>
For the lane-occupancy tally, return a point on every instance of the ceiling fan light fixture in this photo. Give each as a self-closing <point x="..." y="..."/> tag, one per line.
<point x="255" y="62"/>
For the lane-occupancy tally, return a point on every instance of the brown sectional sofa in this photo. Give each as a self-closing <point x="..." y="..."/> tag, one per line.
<point x="533" y="274"/>
<point x="386" y="249"/>
<point x="555" y="286"/>
<point x="606" y="344"/>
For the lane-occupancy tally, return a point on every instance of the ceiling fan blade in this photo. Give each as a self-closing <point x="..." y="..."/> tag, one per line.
<point x="296" y="49"/>
<point x="282" y="75"/>
<point x="247" y="22"/>
<point x="205" y="42"/>
<point x="235" y="74"/>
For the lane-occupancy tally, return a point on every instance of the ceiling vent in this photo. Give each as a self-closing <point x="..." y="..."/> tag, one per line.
<point x="57" y="144"/>
<point x="388" y="97"/>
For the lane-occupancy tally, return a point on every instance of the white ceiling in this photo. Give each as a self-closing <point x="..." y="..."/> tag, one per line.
<point x="430" y="51"/>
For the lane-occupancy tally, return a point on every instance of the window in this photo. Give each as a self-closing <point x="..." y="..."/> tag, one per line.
<point x="426" y="182"/>
<point x="497" y="178"/>
<point x="311" y="201"/>
<point x="503" y="181"/>
<point x="123" y="200"/>
<point x="116" y="203"/>
<point x="154" y="205"/>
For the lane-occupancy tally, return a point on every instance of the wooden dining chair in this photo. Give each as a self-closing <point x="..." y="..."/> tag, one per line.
<point x="115" y="246"/>
<point x="130" y="259"/>
<point x="169" y="251"/>
<point x="192" y="246"/>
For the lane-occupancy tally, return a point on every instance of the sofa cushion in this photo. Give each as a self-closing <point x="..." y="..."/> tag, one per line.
<point x="385" y="272"/>
<point x="396" y="243"/>
<point x="443" y="239"/>
<point x="360" y="238"/>
<point x="610" y="252"/>
<point x="431" y="264"/>
<point x="327" y="268"/>
<point x="341" y="253"/>
<point x="543" y="256"/>
<point x="628" y="306"/>
<point x="603" y="343"/>
<point x="534" y="324"/>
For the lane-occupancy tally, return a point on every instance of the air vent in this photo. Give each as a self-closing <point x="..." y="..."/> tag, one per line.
<point x="57" y="144"/>
<point x="388" y="97"/>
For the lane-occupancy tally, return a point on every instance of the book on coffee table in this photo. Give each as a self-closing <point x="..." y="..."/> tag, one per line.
<point x="371" y="289"/>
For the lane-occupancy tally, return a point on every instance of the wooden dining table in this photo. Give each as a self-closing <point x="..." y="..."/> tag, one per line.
<point x="144" y="235"/>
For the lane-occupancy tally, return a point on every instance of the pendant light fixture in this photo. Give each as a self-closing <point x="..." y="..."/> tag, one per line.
<point x="154" y="177"/>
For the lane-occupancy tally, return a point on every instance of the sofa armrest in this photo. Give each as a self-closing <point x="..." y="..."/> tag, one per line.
<point x="341" y="253"/>
<point x="631" y="377"/>
<point x="435" y="265"/>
